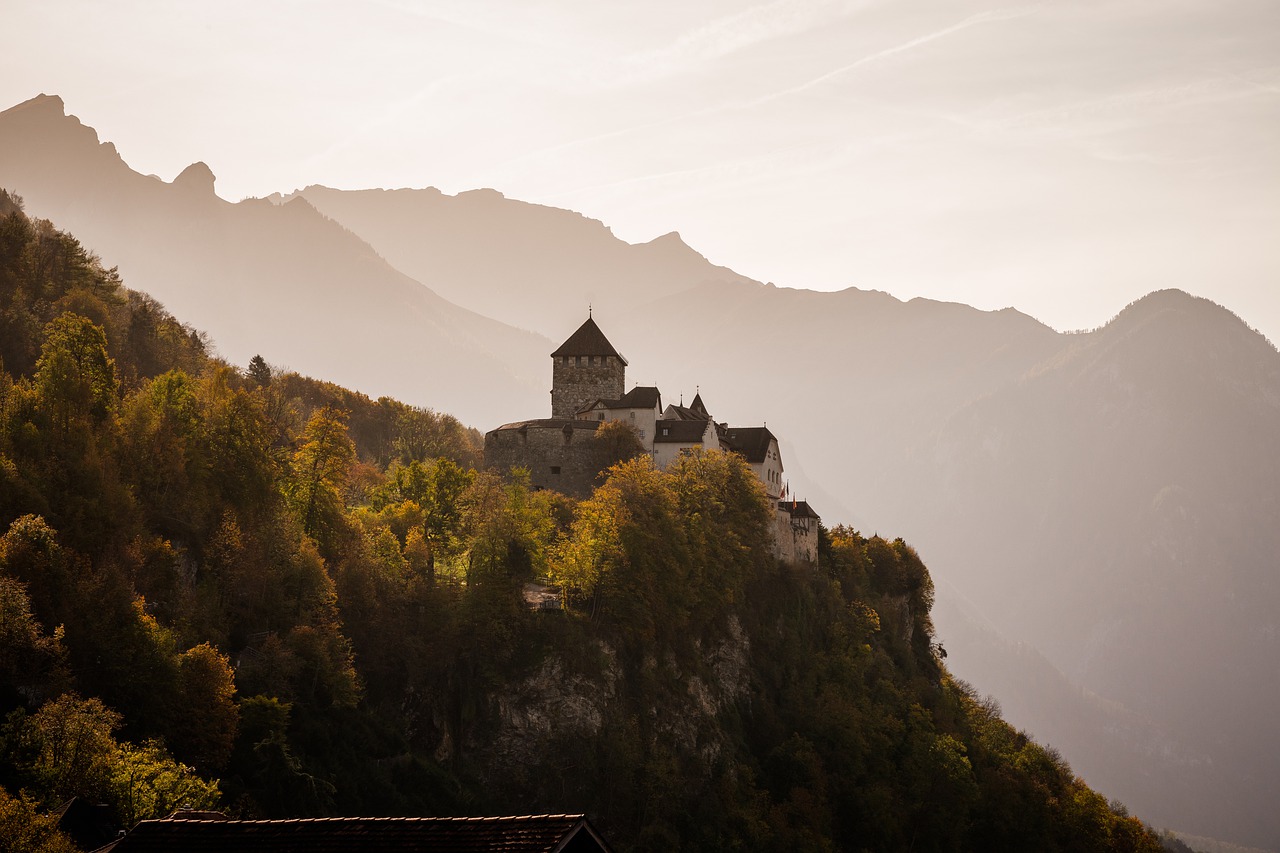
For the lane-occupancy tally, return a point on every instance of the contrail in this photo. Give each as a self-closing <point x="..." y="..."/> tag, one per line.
<point x="971" y="21"/>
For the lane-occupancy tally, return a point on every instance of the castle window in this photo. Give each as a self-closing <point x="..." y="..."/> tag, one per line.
<point x="577" y="361"/>
<point x="600" y="416"/>
<point x="633" y="416"/>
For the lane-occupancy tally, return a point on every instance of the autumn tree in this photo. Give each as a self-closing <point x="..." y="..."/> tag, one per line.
<point x="319" y="472"/>
<point x="75" y="378"/>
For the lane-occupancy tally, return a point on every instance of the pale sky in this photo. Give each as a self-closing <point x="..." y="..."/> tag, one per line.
<point x="1060" y="157"/>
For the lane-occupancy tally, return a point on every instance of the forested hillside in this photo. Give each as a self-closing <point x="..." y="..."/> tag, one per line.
<point x="264" y="593"/>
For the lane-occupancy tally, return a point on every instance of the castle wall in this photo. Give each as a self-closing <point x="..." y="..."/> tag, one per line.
<point x="577" y="380"/>
<point x="562" y="456"/>
<point x="795" y="541"/>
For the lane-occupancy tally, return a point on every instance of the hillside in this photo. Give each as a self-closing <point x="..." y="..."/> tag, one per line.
<point x="1139" y="470"/>
<point x="1083" y="493"/>
<point x="253" y="611"/>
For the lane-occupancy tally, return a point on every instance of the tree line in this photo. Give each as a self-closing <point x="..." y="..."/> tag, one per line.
<point x="260" y="592"/>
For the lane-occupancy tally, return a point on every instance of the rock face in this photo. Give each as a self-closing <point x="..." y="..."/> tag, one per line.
<point x="557" y="707"/>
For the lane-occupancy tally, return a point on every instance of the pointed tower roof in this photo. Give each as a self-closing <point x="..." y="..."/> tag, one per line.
<point x="588" y="340"/>
<point x="698" y="407"/>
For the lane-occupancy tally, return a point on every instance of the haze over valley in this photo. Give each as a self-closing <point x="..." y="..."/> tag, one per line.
<point x="1106" y="499"/>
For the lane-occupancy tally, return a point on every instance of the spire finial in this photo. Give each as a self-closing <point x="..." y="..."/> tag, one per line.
<point x="588" y="310"/>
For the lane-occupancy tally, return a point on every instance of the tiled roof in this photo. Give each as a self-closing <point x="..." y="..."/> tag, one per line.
<point x="751" y="442"/>
<point x="588" y="340"/>
<point x="541" y="833"/>
<point x="641" y="397"/>
<point x="683" y="413"/>
<point x="679" y="432"/>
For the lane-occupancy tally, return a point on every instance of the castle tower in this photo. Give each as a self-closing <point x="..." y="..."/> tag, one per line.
<point x="584" y="369"/>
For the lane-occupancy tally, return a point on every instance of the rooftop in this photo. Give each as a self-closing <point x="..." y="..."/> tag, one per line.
<point x="798" y="509"/>
<point x="551" y="423"/>
<point x="751" y="442"/>
<point x="640" y="397"/>
<point x="526" y="834"/>
<point x="679" y="432"/>
<point x="588" y="340"/>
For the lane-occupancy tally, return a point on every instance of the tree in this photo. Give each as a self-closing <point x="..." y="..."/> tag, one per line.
<point x="74" y="746"/>
<point x="259" y="371"/>
<point x="616" y="441"/>
<point x="75" y="378"/>
<point x="30" y="660"/>
<point x="320" y="469"/>
<point x="147" y="783"/>
<point x="25" y="830"/>
<point x="204" y="730"/>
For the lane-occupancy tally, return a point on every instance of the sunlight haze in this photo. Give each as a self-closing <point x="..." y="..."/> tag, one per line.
<point x="1063" y="159"/>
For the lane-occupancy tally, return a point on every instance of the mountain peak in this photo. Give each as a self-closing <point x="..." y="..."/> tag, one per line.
<point x="197" y="177"/>
<point x="42" y="103"/>
<point x="672" y="243"/>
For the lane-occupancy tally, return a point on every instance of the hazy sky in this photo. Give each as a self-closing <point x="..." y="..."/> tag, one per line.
<point x="1061" y="157"/>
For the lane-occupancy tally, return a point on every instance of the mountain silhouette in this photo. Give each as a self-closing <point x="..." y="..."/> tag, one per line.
<point x="280" y="280"/>
<point x="1103" y="503"/>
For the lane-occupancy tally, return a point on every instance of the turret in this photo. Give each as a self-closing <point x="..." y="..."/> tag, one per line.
<point x="584" y="369"/>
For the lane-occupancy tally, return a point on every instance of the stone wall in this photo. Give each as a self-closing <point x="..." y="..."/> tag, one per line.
<point x="559" y="454"/>
<point x="793" y="540"/>
<point x="577" y="380"/>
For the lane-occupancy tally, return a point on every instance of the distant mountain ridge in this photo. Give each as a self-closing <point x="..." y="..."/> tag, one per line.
<point x="1106" y="497"/>
<point x="506" y="259"/>
<point x="282" y="279"/>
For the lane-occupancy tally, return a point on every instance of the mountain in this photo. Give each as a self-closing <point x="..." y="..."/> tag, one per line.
<point x="1101" y="500"/>
<point x="506" y="259"/>
<point x="992" y="441"/>
<point x="258" y="609"/>
<point x="284" y="281"/>
<point x="1116" y="509"/>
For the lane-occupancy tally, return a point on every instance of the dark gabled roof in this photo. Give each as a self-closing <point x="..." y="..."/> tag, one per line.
<point x="750" y="442"/>
<point x="679" y="432"/>
<point x="684" y="413"/>
<point x="798" y="509"/>
<point x="641" y="397"/>
<point x="529" y="834"/>
<point x="698" y="407"/>
<point x="588" y="340"/>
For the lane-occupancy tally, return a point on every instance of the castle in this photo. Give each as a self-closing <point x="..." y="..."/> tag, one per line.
<point x="588" y="389"/>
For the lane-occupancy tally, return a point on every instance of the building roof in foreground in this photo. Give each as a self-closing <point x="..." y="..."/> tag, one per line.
<point x="588" y="340"/>
<point x="527" y="834"/>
